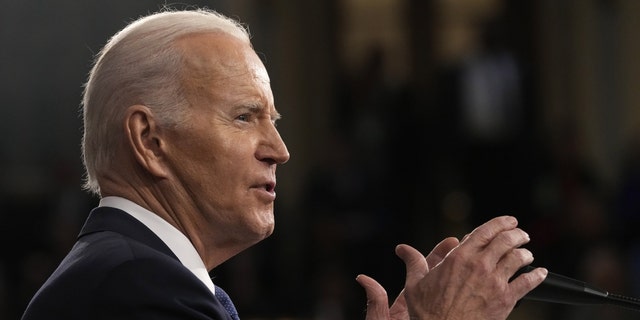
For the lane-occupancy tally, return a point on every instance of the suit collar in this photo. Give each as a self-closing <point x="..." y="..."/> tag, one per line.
<point x="118" y="221"/>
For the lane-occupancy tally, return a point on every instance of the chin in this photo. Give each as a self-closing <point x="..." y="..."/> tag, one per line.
<point x="267" y="231"/>
<point x="267" y="224"/>
<point x="258" y="232"/>
<point x="255" y="239"/>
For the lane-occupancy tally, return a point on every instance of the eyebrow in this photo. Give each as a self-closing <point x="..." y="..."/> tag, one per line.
<point x="257" y="108"/>
<point x="276" y="116"/>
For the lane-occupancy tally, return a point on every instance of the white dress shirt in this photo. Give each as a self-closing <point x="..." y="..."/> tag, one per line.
<point x="172" y="237"/>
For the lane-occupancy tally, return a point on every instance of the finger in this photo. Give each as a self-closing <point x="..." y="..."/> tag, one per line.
<point x="527" y="281"/>
<point x="484" y="234"/>
<point x="415" y="263"/>
<point x="513" y="261"/>
<point x="505" y="242"/>
<point x="441" y="250"/>
<point x="377" y="301"/>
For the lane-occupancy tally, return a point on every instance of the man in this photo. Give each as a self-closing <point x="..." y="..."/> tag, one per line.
<point x="181" y="145"/>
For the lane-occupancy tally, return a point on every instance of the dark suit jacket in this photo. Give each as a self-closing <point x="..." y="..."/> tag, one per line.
<point x="119" y="269"/>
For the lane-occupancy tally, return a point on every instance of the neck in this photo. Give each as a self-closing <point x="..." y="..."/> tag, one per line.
<point x="180" y="213"/>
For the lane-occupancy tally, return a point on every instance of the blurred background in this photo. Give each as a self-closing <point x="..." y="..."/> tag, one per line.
<point x="407" y="120"/>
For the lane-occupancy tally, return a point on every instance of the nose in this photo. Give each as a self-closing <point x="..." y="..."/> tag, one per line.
<point x="273" y="150"/>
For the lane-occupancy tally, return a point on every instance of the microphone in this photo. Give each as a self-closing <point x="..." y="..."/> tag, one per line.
<point x="561" y="289"/>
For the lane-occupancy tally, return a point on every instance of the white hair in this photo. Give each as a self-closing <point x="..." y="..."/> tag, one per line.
<point x="140" y="65"/>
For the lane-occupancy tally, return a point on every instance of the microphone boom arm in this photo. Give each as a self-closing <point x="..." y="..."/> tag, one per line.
<point x="561" y="289"/>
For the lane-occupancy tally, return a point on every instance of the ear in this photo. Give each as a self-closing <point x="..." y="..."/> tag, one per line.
<point x="145" y="140"/>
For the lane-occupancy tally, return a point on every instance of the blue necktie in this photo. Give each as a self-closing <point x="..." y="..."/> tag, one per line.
<point x="224" y="299"/>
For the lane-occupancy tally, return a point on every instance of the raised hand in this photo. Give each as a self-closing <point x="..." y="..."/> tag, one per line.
<point x="469" y="280"/>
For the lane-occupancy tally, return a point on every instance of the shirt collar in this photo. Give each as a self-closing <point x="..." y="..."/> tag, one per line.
<point x="172" y="237"/>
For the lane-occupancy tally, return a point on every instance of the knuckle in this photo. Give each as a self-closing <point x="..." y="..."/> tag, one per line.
<point x="483" y="236"/>
<point x="455" y="257"/>
<point x="524" y="254"/>
<point x="512" y="238"/>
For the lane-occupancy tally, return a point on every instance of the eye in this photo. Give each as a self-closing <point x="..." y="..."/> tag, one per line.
<point x="244" y="117"/>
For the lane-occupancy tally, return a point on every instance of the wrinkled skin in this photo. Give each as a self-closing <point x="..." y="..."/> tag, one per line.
<point x="468" y="279"/>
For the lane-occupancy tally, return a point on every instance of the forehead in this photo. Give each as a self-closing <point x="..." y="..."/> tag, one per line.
<point x="220" y="68"/>
<point x="219" y="56"/>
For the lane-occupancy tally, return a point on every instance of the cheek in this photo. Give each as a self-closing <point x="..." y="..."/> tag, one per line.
<point x="198" y="168"/>
<point x="203" y="154"/>
<point x="219" y="172"/>
<point x="213" y="162"/>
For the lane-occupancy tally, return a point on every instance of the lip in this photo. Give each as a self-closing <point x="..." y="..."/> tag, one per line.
<point x="266" y="191"/>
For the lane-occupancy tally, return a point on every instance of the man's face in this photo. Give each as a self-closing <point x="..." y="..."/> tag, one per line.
<point x="225" y="159"/>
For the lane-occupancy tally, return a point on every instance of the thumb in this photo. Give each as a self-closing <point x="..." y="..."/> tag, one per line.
<point x="377" y="301"/>
<point x="415" y="263"/>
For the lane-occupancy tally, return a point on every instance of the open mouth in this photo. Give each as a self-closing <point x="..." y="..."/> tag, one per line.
<point x="270" y="187"/>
